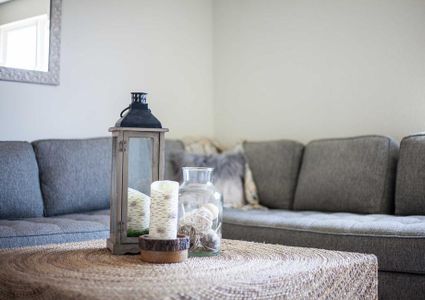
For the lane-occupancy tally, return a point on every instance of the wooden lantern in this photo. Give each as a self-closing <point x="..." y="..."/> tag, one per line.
<point x="137" y="161"/>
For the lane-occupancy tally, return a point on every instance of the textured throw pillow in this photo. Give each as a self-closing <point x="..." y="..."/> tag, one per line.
<point x="205" y="146"/>
<point x="250" y="188"/>
<point x="201" y="145"/>
<point x="227" y="177"/>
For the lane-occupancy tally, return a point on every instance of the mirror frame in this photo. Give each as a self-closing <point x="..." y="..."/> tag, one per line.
<point x="52" y="75"/>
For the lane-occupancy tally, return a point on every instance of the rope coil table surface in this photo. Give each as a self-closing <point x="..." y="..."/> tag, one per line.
<point x="244" y="270"/>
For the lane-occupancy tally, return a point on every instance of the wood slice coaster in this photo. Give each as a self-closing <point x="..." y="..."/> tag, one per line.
<point x="164" y="251"/>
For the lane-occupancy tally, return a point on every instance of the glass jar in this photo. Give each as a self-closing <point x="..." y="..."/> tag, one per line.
<point x="200" y="212"/>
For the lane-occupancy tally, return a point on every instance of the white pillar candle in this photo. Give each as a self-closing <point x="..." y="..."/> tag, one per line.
<point x="164" y="210"/>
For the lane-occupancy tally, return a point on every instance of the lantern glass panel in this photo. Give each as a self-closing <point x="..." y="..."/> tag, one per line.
<point x="140" y="176"/>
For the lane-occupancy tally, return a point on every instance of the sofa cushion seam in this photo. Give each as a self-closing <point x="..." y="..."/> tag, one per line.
<point x="325" y="232"/>
<point x="51" y="234"/>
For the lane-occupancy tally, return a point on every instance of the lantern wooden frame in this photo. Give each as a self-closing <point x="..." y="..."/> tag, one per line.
<point x="118" y="241"/>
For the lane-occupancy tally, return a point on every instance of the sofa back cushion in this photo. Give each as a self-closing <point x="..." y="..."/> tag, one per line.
<point x="349" y="174"/>
<point x="75" y="174"/>
<point x="172" y="147"/>
<point x="275" y="166"/>
<point x="410" y="186"/>
<point x="20" y="195"/>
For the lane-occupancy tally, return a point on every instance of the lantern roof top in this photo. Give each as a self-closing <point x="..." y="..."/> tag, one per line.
<point x="112" y="129"/>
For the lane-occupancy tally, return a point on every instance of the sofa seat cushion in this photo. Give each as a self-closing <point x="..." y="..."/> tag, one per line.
<point x="348" y="174"/>
<point x="60" y="229"/>
<point x="397" y="241"/>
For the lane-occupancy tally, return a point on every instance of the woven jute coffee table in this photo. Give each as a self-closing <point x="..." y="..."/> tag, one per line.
<point x="245" y="270"/>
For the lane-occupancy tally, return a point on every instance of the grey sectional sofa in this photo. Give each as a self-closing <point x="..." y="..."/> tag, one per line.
<point x="363" y="194"/>
<point x="343" y="194"/>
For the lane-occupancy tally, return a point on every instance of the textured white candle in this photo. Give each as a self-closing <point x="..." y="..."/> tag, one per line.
<point x="138" y="210"/>
<point x="164" y="209"/>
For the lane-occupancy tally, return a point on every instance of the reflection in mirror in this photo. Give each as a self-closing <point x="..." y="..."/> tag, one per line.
<point x="24" y="34"/>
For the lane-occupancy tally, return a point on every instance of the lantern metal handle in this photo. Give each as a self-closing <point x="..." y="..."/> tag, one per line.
<point x="124" y="110"/>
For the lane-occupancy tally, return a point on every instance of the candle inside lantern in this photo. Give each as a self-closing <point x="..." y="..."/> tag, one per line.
<point x="138" y="213"/>
<point x="164" y="209"/>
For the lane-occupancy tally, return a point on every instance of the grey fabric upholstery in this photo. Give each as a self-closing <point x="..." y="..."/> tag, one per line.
<point x="351" y="174"/>
<point x="60" y="229"/>
<point x="20" y="195"/>
<point x="139" y="149"/>
<point x="410" y="186"/>
<point x="275" y="167"/>
<point x="140" y="152"/>
<point x="396" y="286"/>
<point x="397" y="241"/>
<point x="172" y="147"/>
<point x="75" y="175"/>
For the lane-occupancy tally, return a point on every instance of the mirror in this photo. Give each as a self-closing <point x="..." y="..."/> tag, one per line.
<point x="30" y="40"/>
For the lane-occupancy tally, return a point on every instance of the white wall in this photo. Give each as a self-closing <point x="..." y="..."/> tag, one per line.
<point x="281" y="69"/>
<point x="306" y="69"/>
<point x="110" y="48"/>
<point x="16" y="10"/>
